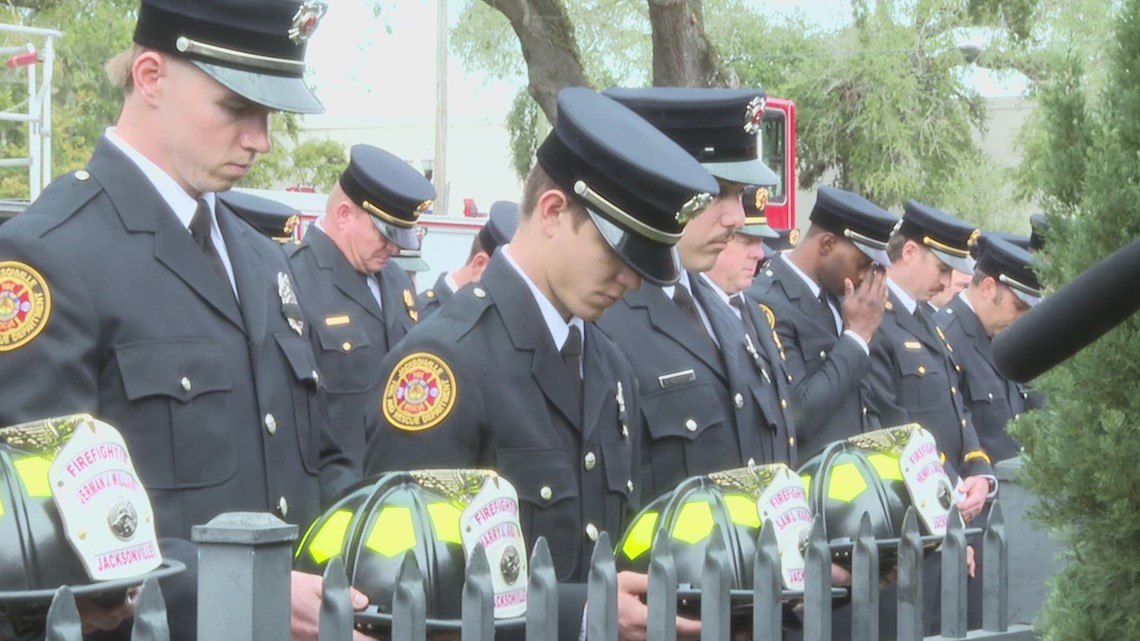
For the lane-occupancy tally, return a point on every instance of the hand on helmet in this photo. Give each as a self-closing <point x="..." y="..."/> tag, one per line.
<point x="633" y="614"/>
<point x="305" y="596"/>
<point x="975" y="489"/>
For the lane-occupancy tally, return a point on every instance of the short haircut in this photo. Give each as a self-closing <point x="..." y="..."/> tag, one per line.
<point x="539" y="182"/>
<point x="476" y="247"/>
<point x="119" y="68"/>
<point x="895" y="246"/>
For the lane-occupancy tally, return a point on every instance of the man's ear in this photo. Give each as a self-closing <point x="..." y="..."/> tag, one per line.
<point x="147" y="72"/>
<point x="827" y="242"/>
<point x="552" y="205"/>
<point x="342" y="214"/>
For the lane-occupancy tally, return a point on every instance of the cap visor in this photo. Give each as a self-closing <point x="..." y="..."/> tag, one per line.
<point x="405" y="238"/>
<point x="279" y="93"/>
<point x="874" y="253"/>
<point x="748" y="172"/>
<point x="1028" y="299"/>
<point x="758" y="231"/>
<point x="655" y="262"/>
<point x="411" y="264"/>
<point x="964" y="265"/>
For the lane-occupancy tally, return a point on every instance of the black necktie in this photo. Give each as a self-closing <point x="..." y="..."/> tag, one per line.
<point x="924" y="320"/>
<point x="826" y="306"/>
<point x="572" y="361"/>
<point x="749" y="327"/>
<point x="200" y="227"/>
<point x="685" y="301"/>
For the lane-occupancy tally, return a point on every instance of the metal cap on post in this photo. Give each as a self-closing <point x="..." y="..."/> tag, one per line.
<point x="767" y="587"/>
<point x="542" y="595"/>
<point x="954" y="577"/>
<point x="601" y="595"/>
<point x="910" y="626"/>
<point x="244" y="561"/>
<point x="865" y="584"/>
<point x="662" y="597"/>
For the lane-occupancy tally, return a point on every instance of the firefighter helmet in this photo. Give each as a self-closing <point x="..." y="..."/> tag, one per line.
<point x="879" y="473"/>
<point x="732" y="505"/>
<point x="436" y="515"/>
<point x="72" y="513"/>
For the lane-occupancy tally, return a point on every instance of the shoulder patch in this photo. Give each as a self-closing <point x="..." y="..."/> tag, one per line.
<point x="25" y="304"/>
<point x="769" y="314"/>
<point x="420" y="392"/>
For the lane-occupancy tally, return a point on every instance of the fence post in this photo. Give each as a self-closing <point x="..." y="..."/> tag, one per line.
<point x="150" y="614"/>
<point x="244" y="560"/>
<point x="716" y="595"/>
<point x="995" y="579"/>
<point x="409" y="604"/>
<point x="817" y="586"/>
<point x="767" y="583"/>
<point x="542" y="595"/>
<point x="910" y="580"/>
<point x="865" y="584"/>
<point x="662" y="596"/>
<point x="63" y="622"/>
<point x="954" y="577"/>
<point x="601" y="593"/>
<point x="336" y="606"/>
<point x="478" y="610"/>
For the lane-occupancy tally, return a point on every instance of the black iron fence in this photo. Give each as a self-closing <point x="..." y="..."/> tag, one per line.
<point x="245" y="560"/>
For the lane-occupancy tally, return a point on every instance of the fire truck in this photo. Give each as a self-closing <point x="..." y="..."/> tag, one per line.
<point x="778" y="150"/>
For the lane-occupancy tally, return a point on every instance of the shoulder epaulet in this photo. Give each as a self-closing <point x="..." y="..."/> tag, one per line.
<point x="61" y="199"/>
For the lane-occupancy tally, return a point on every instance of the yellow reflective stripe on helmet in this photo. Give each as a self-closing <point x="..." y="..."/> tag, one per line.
<point x="640" y="537"/>
<point x="33" y="473"/>
<point x="1" y="508"/>
<point x="393" y="532"/>
<point x="806" y="478"/>
<point x="694" y="522"/>
<point x="742" y="510"/>
<point x="846" y="483"/>
<point x="445" y="518"/>
<point x="329" y="539"/>
<point x="886" y="465"/>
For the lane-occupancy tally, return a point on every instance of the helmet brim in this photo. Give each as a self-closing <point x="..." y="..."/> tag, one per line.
<point x="169" y="567"/>
<point x="372" y="619"/>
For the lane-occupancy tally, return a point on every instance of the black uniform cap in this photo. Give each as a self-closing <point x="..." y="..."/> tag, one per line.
<point x="1013" y="239"/>
<point x="274" y="219"/>
<point x="785" y="239"/>
<point x="1039" y="225"/>
<point x="255" y="48"/>
<point x="1010" y="265"/>
<point x="638" y="186"/>
<point x="755" y="201"/>
<point x="501" y="225"/>
<point x="851" y="216"/>
<point x="719" y="127"/>
<point x="389" y="190"/>
<point x="949" y="238"/>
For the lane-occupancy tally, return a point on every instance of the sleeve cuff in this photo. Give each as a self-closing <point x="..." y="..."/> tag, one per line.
<point x="859" y="340"/>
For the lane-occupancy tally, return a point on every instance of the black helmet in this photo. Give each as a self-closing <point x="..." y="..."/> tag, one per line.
<point x="72" y="513"/>
<point x="733" y="504"/>
<point x="880" y="473"/>
<point x="436" y="515"/>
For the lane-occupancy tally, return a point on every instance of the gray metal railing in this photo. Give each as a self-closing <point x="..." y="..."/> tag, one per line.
<point x="245" y="560"/>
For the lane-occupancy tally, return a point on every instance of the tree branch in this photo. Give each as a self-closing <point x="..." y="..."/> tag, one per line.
<point x="549" y="47"/>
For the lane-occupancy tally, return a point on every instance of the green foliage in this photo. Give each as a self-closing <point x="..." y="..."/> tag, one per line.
<point x="1081" y="451"/>
<point x="315" y="163"/>
<point x="524" y="121"/>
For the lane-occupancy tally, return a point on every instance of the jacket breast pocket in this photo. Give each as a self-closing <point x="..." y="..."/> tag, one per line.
<point x="179" y="391"/>
<point x="344" y="359"/>
<point x="310" y="412"/>
<point x="683" y="412"/>
<point x="547" y="483"/>
<point x="923" y="383"/>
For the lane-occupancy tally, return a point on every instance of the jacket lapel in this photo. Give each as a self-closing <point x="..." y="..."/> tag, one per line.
<point x="798" y="292"/>
<point x="907" y="321"/>
<point x="142" y="209"/>
<point x="344" y="277"/>
<point x="670" y="321"/>
<point x="528" y="332"/>
<point x="253" y="283"/>
<point x="598" y="381"/>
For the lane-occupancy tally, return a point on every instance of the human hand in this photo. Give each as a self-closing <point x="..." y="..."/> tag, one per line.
<point x="974" y="490"/>
<point x="305" y="593"/>
<point x="862" y="307"/>
<point x="633" y="614"/>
